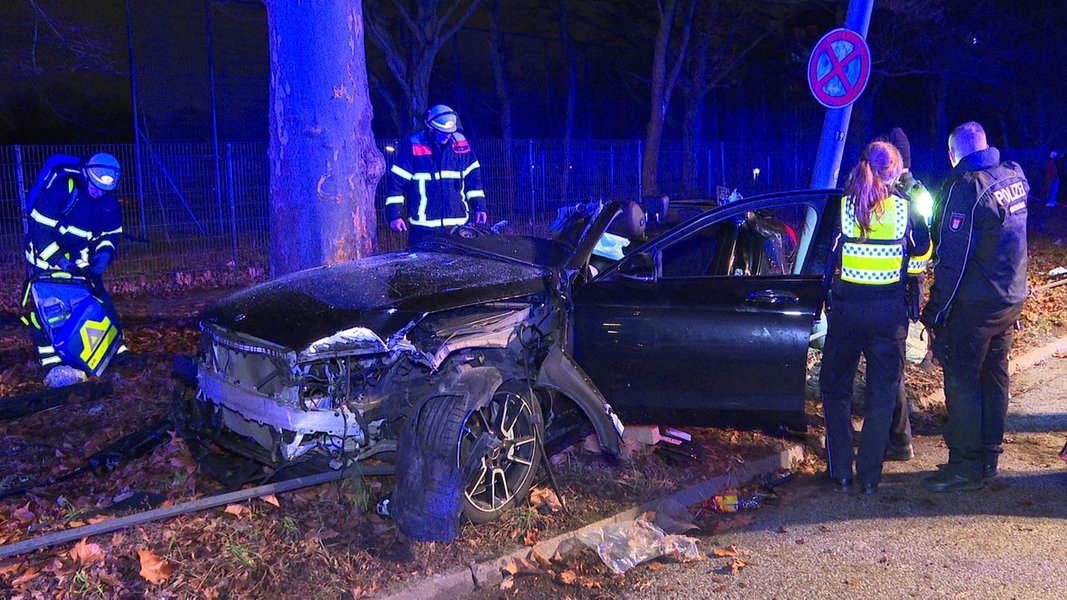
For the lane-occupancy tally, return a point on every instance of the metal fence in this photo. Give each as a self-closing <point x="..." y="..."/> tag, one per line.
<point x="199" y="217"/>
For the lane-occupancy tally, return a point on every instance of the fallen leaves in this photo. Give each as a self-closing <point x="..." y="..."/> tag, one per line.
<point x="85" y="553"/>
<point x="153" y="568"/>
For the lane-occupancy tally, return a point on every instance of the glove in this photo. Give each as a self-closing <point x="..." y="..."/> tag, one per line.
<point x="98" y="263"/>
<point x="66" y="265"/>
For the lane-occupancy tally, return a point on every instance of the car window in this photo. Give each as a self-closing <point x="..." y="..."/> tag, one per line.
<point x="765" y="242"/>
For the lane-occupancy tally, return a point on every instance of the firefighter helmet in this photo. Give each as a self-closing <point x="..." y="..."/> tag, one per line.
<point x="442" y="118"/>
<point x="103" y="171"/>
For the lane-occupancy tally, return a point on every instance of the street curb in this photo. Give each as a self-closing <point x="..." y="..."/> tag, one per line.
<point x="1015" y="365"/>
<point x="488" y="573"/>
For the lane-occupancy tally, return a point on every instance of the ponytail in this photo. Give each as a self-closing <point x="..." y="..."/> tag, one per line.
<point x="868" y="183"/>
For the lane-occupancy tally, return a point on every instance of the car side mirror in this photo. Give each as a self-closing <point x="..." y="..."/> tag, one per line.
<point x="638" y="267"/>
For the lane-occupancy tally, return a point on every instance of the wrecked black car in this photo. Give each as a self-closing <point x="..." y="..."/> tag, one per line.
<point x="480" y="350"/>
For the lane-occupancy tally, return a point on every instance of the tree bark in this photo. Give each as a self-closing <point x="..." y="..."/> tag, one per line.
<point x="324" y="165"/>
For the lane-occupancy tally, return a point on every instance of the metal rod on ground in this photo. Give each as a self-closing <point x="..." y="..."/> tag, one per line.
<point x="77" y="533"/>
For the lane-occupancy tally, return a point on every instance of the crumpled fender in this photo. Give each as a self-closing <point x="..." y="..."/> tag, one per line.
<point x="476" y="385"/>
<point x="559" y="372"/>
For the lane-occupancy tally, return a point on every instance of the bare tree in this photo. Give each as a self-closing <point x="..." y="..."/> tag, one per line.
<point x="324" y="165"/>
<point x="499" y="62"/>
<point x="410" y="33"/>
<point x="674" y="26"/>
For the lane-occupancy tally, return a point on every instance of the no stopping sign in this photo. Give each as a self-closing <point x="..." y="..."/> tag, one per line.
<point x="839" y="68"/>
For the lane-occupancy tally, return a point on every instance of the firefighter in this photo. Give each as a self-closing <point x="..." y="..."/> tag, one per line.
<point x="912" y="190"/>
<point x="436" y="177"/>
<point x="74" y="221"/>
<point x="868" y="314"/>
<point x="977" y="296"/>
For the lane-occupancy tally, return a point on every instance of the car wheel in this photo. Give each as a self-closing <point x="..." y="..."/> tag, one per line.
<point x="500" y="477"/>
<point x="494" y="446"/>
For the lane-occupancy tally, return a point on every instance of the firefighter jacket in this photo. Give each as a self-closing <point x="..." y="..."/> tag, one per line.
<point x="980" y="231"/>
<point x="877" y="260"/>
<point x="67" y="224"/>
<point x="919" y="200"/>
<point x="440" y="184"/>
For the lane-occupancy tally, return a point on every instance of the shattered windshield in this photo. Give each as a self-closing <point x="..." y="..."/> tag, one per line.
<point x="524" y="249"/>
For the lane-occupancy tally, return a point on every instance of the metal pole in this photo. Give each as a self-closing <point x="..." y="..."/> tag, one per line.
<point x="136" y="121"/>
<point x="22" y="189"/>
<point x="835" y="124"/>
<point x="214" y="111"/>
<point x="233" y="205"/>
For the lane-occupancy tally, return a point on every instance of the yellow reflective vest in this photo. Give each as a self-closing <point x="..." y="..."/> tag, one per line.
<point x="877" y="259"/>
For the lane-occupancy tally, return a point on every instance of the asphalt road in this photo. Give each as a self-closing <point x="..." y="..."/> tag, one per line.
<point x="1008" y="540"/>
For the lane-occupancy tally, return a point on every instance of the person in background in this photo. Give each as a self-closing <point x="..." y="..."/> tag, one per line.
<point x="73" y="224"/>
<point x="867" y="314"/>
<point x="1052" y="179"/>
<point x="920" y="200"/>
<point x="977" y="296"/>
<point x="436" y="177"/>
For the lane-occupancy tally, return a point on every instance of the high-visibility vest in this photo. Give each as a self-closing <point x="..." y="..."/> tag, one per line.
<point x="877" y="259"/>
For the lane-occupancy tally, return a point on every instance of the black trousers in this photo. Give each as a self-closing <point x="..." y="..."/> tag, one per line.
<point x="973" y="350"/>
<point x="876" y="328"/>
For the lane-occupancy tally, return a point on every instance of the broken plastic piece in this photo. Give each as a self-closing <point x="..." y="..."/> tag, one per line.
<point x="623" y="545"/>
<point x="1057" y="272"/>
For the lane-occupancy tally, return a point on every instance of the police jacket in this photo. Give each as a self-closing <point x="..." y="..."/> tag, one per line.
<point x="440" y="184"/>
<point x="980" y="231"/>
<point x="65" y="222"/>
<point x="875" y="264"/>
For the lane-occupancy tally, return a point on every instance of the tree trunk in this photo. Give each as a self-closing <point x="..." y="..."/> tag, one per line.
<point x="324" y="165"/>
<point x="498" y="56"/>
<point x="572" y="84"/>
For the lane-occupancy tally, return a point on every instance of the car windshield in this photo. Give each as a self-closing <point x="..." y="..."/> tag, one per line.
<point x="528" y="250"/>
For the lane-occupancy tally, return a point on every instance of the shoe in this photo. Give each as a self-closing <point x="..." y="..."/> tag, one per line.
<point x="900" y="453"/>
<point x="1051" y="204"/>
<point x="868" y="489"/>
<point x="62" y="376"/>
<point x="842" y="486"/>
<point x="989" y="471"/>
<point x="947" y="481"/>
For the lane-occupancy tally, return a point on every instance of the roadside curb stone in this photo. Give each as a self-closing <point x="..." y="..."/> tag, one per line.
<point x="488" y="573"/>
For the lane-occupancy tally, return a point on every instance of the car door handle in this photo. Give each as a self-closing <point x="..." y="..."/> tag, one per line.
<point x="772" y="297"/>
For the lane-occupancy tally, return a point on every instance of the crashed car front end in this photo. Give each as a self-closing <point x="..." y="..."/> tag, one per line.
<point x="345" y="393"/>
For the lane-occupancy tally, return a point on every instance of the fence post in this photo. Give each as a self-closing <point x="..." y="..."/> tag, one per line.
<point x="22" y="190"/>
<point x="233" y="204"/>
<point x="533" y="180"/>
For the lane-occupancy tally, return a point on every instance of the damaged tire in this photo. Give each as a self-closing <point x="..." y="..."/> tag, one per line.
<point x="495" y="447"/>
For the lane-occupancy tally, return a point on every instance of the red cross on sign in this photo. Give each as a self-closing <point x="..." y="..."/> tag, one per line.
<point x="839" y="68"/>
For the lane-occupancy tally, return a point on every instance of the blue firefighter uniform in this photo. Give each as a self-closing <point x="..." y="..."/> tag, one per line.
<point x="868" y="316"/>
<point x="440" y="185"/>
<point x="977" y="295"/>
<point x="73" y="227"/>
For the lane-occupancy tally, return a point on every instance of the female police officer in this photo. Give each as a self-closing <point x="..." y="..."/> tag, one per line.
<point x="868" y="314"/>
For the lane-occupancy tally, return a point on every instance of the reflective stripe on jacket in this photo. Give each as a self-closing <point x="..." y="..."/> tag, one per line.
<point x="440" y="184"/>
<point x="877" y="258"/>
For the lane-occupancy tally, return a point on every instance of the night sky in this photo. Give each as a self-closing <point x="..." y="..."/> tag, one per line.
<point x="72" y="82"/>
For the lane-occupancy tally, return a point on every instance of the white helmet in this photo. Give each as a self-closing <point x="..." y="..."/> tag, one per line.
<point x="103" y="170"/>
<point x="442" y="118"/>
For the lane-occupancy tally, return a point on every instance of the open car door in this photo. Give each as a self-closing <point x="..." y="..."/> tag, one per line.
<point x="710" y="322"/>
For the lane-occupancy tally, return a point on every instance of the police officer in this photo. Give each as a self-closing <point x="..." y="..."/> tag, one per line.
<point x="74" y="222"/>
<point x="977" y="295"/>
<point x="868" y="314"/>
<point x="912" y="190"/>
<point x="436" y="177"/>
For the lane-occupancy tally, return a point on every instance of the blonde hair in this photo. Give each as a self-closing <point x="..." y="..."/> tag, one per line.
<point x="870" y="180"/>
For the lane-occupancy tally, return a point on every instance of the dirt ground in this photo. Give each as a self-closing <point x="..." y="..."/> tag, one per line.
<point x="327" y="541"/>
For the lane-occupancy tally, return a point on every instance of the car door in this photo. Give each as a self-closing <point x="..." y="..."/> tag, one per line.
<point x="710" y="322"/>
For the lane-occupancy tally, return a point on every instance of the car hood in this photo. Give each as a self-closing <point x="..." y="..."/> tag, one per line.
<point x="381" y="293"/>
